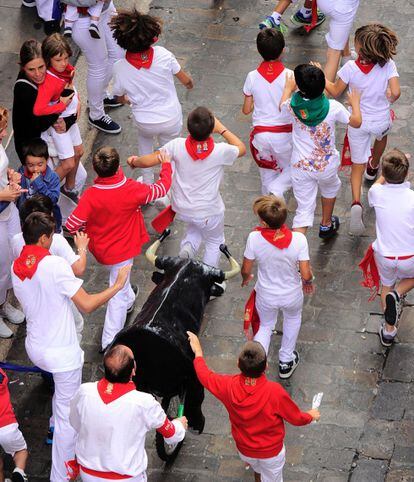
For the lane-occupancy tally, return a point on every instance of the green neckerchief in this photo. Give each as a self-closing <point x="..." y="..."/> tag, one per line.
<point x="310" y="112"/>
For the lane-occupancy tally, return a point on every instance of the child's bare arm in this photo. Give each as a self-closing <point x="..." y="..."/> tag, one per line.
<point x="248" y="104"/>
<point x="148" y="160"/>
<point x="185" y="79"/>
<point x="290" y="87"/>
<point x="246" y="271"/>
<point x="335" y="89"/>
<point x="394" y="90"/>
<point x="231" y="138"/>
<point x="380" y="180"/>
<point x="356" y="118"/>
<point x="307" y="277"/>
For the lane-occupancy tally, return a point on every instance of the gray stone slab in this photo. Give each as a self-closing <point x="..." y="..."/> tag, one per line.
<point x="369" y="470"/>
<point x="400" y="362"/>
<point x="391" y="401"/>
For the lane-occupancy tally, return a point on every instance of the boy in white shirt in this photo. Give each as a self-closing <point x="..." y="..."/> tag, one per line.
<point x="315" y="160"/>
<point x="195" y="190"/>
<point x="375" y="76"/>
<point x="278" y="252"/>
<point x="271" y="137"/>
<point x="393" y="248"/>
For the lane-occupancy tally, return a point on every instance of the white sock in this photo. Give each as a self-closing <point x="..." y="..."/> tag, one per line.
<point x="306" y="12"/>
<point x="276" y="17"/>
<point x="390" y="333"/>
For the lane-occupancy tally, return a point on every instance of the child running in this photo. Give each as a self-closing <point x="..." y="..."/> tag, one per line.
<point x="375" y="76"/>
<point x="271" y="137"/>
<point x="257" y="409"/>
<point x="315" y="160"/>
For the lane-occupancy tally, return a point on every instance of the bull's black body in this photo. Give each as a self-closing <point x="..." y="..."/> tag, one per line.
<point x="158" y="335"/>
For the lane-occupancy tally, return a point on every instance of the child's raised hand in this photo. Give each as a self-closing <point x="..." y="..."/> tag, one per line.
<point x="290" y="82"/>
<point x="14" y="176"/>
<point x="81" y="240"/>
<point x="131" y="161"/>
<point x="122" y="277"/>
<point x="195" y="344"/>
<point x="163" y="156"/>
<point x="316" y="64"/>
<point x="354" y="97"/>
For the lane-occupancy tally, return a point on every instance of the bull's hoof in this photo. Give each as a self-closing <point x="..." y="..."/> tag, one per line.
<point x="198" y="426"/>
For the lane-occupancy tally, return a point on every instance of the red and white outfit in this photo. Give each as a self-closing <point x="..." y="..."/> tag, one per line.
<point x="111" y="421"/>
<point x="44" y="285"/>
<point x="11" y="438"/>
<point x="315" y="161"/>
<point x="48" y="102"/>
<point x="394" y="245"/>
<point x="147" y="79"/>
<point x="271" y="137"/>
<point x="110" y="213"/>
<point x="257" y="410"/>
<point x="372" y="83"/>
<point x="278" y="286"/>
<point x="195" y="192"/>
<point x="72" y="13"/>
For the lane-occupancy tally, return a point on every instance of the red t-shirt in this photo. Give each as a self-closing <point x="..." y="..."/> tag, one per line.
<point x="7" y="416"/>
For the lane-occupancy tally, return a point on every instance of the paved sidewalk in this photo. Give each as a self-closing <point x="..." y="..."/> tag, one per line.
<point x="366" y="433"/>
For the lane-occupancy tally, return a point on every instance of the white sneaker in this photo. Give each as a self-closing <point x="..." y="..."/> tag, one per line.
<point x="12" y="314"/>
<point x="356" y="225"/>
<point x="5" y="331"/>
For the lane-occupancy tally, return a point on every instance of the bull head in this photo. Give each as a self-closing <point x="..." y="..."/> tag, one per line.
<point x="234" y="265"/>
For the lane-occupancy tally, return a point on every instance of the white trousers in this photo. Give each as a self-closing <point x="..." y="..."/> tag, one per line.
<point x="305" y="189"/>
<point x="209" y="231"/>
<point x="90" y="478"/>
<point x="147" y="134"/>
<point x="392" y="270"/>
<point x="47" y="9"/>
<point x="63" y="448"/>
<point x="100" y="56"/>
<point x="116" y="310"/>
<point x="291" y="307"/>
<point x="7" y="230"/>
<point x="271" y="469"/>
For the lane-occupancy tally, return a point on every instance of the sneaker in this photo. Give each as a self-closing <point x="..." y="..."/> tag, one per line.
<point x="49" y="436"/>
<point x="29" y="3"/>
<point x="356" y="225"/>
<point x="327" y="232"/>
<point x="18" y="476"/>
<point x="111" y="102"/>
<point x="286" y="369"/>
<point x="67" y="32"/>
<point x="73" y="195"/>
<point x="385" y="338"/>
<point x="269" y="22"/>
<point x="106" y="124"/>
<point x="94" y="31"/>
<point x="5" y="331"/>
<point x="131" y="308"/>
<point x="392" y="308"/>
<point x="371" y="173"/>
<point x="300" y="21"/>
<point x="12" y="314"/>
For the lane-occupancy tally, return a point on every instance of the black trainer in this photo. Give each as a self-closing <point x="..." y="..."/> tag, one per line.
<point x="386" y="339"/>
<point x="329" y="232"/>
<point x="29" y="3"/>
<point x="106" y="124"/>
<point x="131" y="308"/>
<point x="18" y="477"/>
<point x="67" y="32"/>
<point x="111" y="102"/>
<point x="392" y="308"/>
<point x="286" y="369"/>
<point x="94" y="31"/>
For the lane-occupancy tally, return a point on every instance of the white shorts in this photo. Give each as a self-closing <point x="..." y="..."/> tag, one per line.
<point x="341" y="15"/>
<point x="90" y="478"/>
<point x="11" y="439"/>
<point x="270" y="470"/>
<point x="64" y="143"/>
<point x="360" y="139"/>
<point x="392" y="270"/>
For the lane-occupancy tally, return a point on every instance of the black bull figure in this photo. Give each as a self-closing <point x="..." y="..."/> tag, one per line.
<point x="158" y="335"/>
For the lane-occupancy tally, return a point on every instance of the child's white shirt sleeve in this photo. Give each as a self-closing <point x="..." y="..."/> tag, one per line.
<point x="345" y="72"/>
<point x="392" y="69"/>
<point x="373" y="194"/>
<point x="248" y="84"/>
<point x="303" y="248"/>
<point x="174" y="65"/>
<point x="117" y="88"/>
<point x="342" y="115"/>
<point x="249" y="250"/>
<point x="229" y="153"/>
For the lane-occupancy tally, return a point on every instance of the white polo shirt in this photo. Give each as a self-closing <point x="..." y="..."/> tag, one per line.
<point x="151" y="91"/>
<point x="266" y="96"/>
<point x="372" y="86"/>
<point x="195" y="186"/>
<point x="394" y="211"/>
<point x="51" y="341"/>
<point x="60" y="247"/>
<point x="278" y="269"/>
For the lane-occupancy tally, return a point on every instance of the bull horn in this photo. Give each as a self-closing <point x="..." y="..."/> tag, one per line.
<point x="235" y="267"/>
<point x="150" y="252"/>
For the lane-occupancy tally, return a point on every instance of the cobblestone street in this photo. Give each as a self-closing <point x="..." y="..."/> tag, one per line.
<point x="366" y="432"/>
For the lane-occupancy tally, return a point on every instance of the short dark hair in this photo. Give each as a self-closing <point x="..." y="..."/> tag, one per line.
<point x="38" y="203"/>
<point x="118" y="365"/>
<point x="270" y="43"/>
<point x="200" y="123"/>
<point x="271" y="209"/>
<point x="36" y="225"/>
<point x="395" y="166"/>
<point x="36" y="147"/>
<point x="106" y="161"/>
<point x="252" y="359"/>
<point x="310" y="80"/>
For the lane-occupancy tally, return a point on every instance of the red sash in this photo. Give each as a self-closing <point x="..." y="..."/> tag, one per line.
<point x="141" y="60"/>
<point x="251" y="317"/>
<point x="73" y="471"/>
<point x="314" y="19"/>
<point x="271" y="70"/>
<point x="199" y="150"/>
<point x="263" y="163"/>
<point x="370" y="271"/>
<point x="25" y="266"/>
<point x="274" y="238"/>
<point x="163" y="219"/>
<point x="364" y="67"/>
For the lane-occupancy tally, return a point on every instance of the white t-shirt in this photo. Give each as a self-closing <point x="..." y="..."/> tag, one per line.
<point x="51" y="341"/>
<point x="373" y="87"/>
<point x="151" y="91"/>
<point x="111" y="437"/>
<point x="314" y="147"/>
<point x="266" y="98"/>
<point x="59" y="247"/>
<point x="278" y="270"/>
<point x="195" y="186"/>
<point x="394" y="211"/>
<point x="4" y="164"/>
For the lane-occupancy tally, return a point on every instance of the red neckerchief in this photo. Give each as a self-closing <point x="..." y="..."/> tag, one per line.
<point x="364" y="67"/>
<point x="26" y="264"/>
<point x="115" y="179"/>
<point x="271" y="70"/>
<point x="29" y="175"/>
<point x="110" y="392"/>
<point x="141" y="60"/>
<point x="272" y="236"/>
<point x="67" y="75"/>
<point x="199" y="149"/>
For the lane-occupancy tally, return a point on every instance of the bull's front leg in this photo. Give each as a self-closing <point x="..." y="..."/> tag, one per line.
<point x="193" y="401"/>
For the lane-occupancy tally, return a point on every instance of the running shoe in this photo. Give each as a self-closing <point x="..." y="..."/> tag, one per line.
<point x="286" y="369"/>
<point x="269" y="22"/>
<point x="300" y="20"/>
